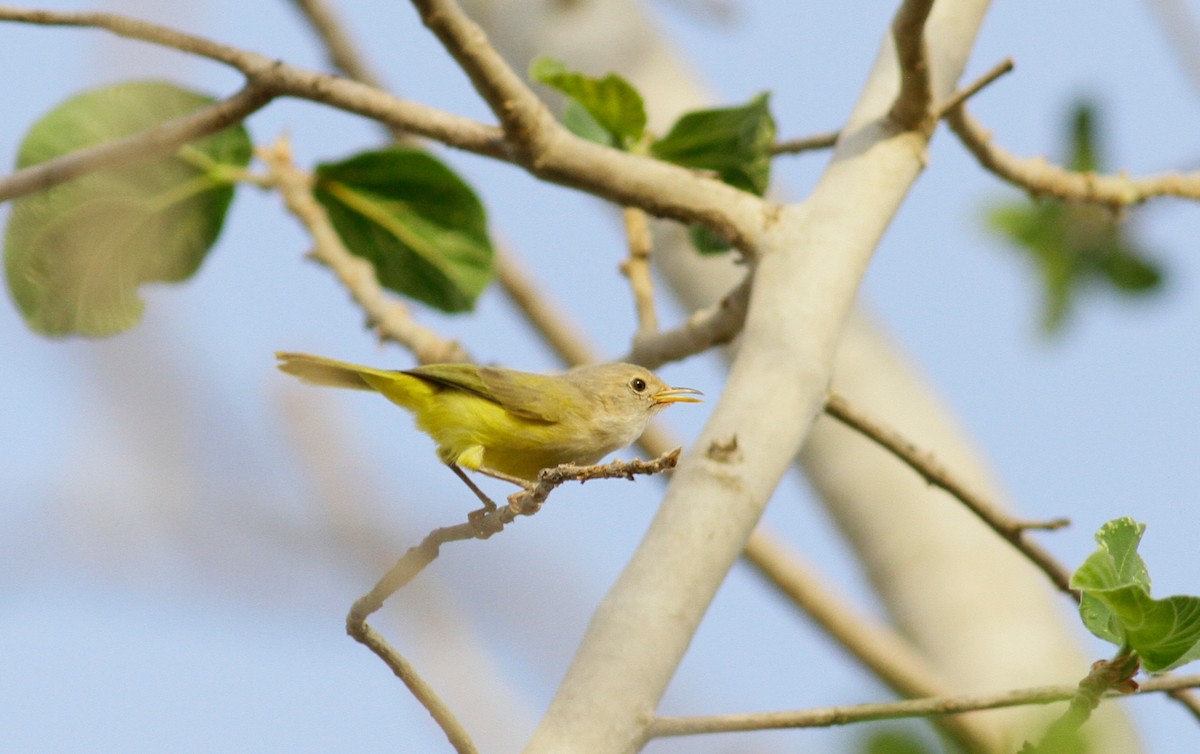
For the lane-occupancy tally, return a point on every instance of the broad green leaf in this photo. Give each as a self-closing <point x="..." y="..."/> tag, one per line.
<point x="420" y="225"/>
<point x="733" y="142"/>
<point x="611" y="101"/>
<point x="75" y="255"/>
<point x="1117" y="605"/>
<point x="1076" y="245"/>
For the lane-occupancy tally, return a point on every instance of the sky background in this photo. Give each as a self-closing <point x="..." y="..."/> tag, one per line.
<point x="174" y="570"/>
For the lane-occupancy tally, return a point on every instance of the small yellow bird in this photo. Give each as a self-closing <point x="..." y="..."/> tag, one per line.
<point x="506" y="423"/>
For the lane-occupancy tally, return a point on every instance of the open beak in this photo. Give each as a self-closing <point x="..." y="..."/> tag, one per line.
<point x="676" y="395"/>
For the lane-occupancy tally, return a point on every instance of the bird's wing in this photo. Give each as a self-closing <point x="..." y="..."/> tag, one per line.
<point x="528" y="397"/>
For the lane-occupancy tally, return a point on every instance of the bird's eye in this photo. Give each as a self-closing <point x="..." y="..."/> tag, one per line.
<point x="638" y="384"/>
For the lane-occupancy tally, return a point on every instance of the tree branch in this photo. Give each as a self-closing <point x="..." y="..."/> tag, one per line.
<point x="154" y="142"/>
<point x="706" y="328"/>
<point x="934" y="473"/>
<point x="911" y="110"/>
<point x="636" y="269"/>
<point x="1039" y="177"/>
<point x="807" y="143"/>
<point x="975" y="87"/>
<point x="543" y="147"/>
<point x="811" y="260"/>
<point x="830" y="716"/>
<point x="882" y="650"/>
<point x="524" y="503"/>
<point x="342" y="53"/>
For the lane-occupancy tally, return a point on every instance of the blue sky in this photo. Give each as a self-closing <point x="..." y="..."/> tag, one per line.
<point x="169" y="575"/>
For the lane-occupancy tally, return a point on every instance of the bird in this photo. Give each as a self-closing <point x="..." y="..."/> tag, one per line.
<point x="505" y="423"/>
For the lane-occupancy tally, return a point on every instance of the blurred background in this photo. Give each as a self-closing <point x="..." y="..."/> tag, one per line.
<point x="183" y="528"/>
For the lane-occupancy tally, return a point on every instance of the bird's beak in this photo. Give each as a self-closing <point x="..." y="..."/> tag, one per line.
<point x="676" y="395"/>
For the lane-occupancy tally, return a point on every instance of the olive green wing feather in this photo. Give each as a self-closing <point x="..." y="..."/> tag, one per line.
<point x="530" y="396"/>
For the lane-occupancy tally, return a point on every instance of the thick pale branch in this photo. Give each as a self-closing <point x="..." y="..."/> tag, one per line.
<point x="1041" y="178"/>
<point x="155" y="142"/>
<point x="880" y="649"/>
<point x="829" y="716"/>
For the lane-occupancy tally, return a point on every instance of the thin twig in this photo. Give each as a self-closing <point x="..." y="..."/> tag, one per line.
<point x="976" y="86"/>
<point x="1106" y="676"/>
<point x="911" y="110"/>
<point x="482" y="526"/>
<point x="456" y="734"/>
<point x="883" y="651"/>
<point x="830" y="716"/>
<point x="1040" y="177"/>
<point x="806" y="143"/>
<point x="154" y="142"/>
<point x="281" y="79"/>
<point x="637" y="269"/>
<point x="487" y="523"/>
<point x="1189" y="700"/>
<point x="343" y="55"/>
<point x="550" y="320"/>
<point x="341" y="50"/>
<point x="1177" y="21"/>
<point x="387" y="315"/>
<point x="713" y="326"/>
<point x="934" y="473"/>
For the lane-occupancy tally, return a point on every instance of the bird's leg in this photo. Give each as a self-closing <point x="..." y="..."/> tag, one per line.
<point x="479" y="519"/>
<point x="522" y="483"/>
<point x="488" y="504"/>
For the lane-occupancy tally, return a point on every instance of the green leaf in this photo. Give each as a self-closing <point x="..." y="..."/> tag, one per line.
<point x="75" y="255"/>
<point x="413" y="218"/>
<point x="733" y="142"/>
<point x="1129" y="272"/>
<point x="1117" y="605"/>
<point x="611" y="101"/>
<point x="1075" y="245"/>
<point x="707" y="241"/>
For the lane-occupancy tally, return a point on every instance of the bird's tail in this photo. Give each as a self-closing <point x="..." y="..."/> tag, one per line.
<point x="318" y="370"/>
